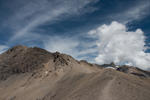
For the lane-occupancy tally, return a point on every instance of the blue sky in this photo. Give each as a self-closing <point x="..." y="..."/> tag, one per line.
<point x="64" y="25"/>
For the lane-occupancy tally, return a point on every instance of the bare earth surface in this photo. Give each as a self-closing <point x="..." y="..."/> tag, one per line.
<point x="35" y="74"/>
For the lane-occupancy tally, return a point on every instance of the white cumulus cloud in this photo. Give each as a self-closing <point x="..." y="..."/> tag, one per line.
<point x="117" y="44"/>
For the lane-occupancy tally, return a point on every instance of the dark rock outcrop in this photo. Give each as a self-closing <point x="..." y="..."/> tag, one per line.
<point x="134" y="70"/>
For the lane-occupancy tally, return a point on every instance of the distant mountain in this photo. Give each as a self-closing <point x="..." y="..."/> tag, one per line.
<point x="36" y="74"/>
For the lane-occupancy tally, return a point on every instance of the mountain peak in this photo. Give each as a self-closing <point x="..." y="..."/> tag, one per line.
<point x="21" y="59"/>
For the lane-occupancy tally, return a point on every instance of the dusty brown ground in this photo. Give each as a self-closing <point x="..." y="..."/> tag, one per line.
<point x="60" y="77"/>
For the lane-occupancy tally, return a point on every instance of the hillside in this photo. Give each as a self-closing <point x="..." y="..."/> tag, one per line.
<point x="36" y="74"/>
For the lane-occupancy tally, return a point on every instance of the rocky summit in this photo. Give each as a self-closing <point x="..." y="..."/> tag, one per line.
<point x="36" y="74"/>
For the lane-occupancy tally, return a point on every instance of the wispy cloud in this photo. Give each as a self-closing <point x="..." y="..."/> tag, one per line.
<point x="66" y="45"/>
<point x="34" y="13"/>
<point x="3" y="48"/>
<point x="70" y="45"/>
<point x="138" y="11"/>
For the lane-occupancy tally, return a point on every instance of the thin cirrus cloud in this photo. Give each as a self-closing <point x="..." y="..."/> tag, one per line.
<point x="138" y="11"/>
<point x="37" y="12"/>
<point x="69" y="45"/>
<point x="117" y="44"/>
<point x="62" y="44"/>
<point x="34" y="13"/>
<point x="3" y="48"/>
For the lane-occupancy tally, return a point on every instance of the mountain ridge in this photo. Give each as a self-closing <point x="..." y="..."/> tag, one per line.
<point x="36" y="74"/>
<point x="29" y="56"/>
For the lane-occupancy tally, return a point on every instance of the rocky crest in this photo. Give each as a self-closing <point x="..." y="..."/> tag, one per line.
<point x="21" y="59"/>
